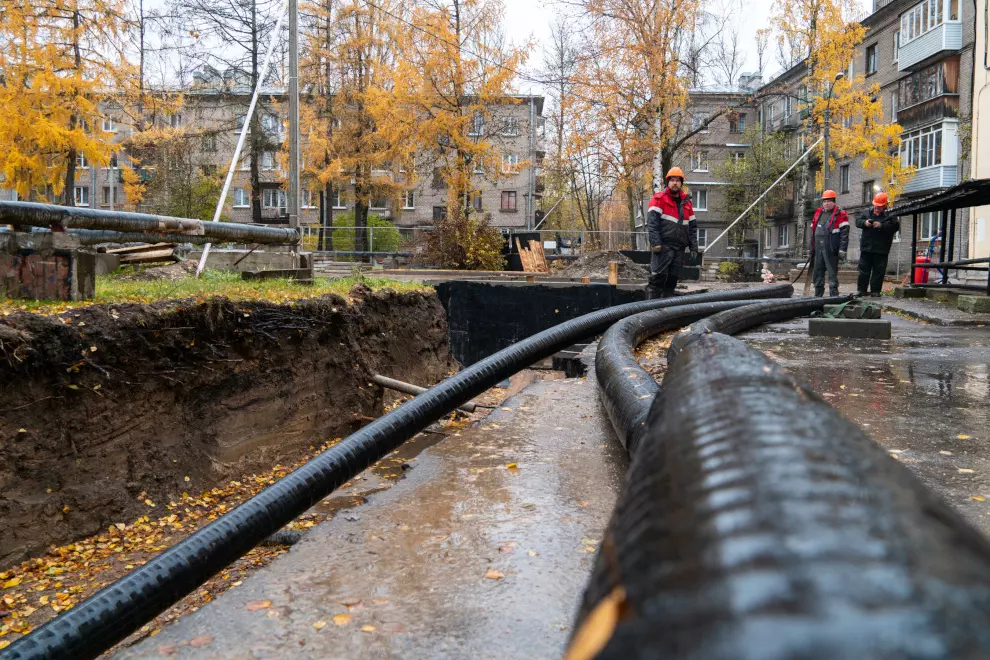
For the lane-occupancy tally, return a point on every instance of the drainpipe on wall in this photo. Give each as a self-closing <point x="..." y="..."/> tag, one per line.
<point x="530" y="205"/>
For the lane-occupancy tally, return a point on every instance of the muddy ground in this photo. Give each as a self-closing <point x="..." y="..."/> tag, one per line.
<point x="106" y="409"/>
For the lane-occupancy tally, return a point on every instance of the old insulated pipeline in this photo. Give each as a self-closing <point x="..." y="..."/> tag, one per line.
<point x="758" y="522"/>
<point x="111" y="614"/>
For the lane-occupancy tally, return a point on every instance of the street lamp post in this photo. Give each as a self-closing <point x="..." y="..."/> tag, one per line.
<point x="827" y="123"/>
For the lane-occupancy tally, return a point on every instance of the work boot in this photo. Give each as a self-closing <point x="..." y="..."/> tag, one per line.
<point x="862" y="294"/>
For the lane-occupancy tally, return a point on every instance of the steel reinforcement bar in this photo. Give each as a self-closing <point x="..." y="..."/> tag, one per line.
<point x="758" y="522"/>
<point x="48" y="215"/>
<point x="111" y="614"/>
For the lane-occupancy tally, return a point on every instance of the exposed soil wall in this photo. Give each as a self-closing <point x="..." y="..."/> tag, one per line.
<point x="106" y="406"/>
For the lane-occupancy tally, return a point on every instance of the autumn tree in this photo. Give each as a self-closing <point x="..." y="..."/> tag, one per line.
<point x="60" y="60"/>
<point x="825" y="34"/>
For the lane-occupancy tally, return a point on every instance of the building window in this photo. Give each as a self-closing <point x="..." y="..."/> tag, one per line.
<point x="307" y="199"/>
<point x="208" y="170"/>
<point x="767" y="238"/>
<point x="81" y="161"/>
<point x="928" y="83"/>
<point x="700" y="198"/>
<point x="241" y="198"/>
<point x="82" y="196"/>
<point x="267" y="161"/>
<point x="274" y="198"/>
<point x="175" y="121"/>
<point x="477" y="124"/>
<point x="867" y="193"/>
<point x="508" y="200"/>
<point x="697" y="123"/>
<point x="209" y="142"/>
<point x="928" y="226"/>
<point x="271" y="125"/>
<point x="897" y="44"/>
<point x="479" y="167"/>
<point x="737" y="123"/>
<point x="844" y="178"/>
<point x="409" y="199"/>
<point x="439" y="213"/>
<point x="851" y="72"/>
<point x="510" y="163"/>
<point x="109" y="195"/>
<point x="109" y="126"/>
<point x="336" y="201"/>
<point x="893" y="107"/>
<point x="922" y="148"/>
<point x="477" y="201"/>
<point x="738" y="157"/>
<point x="871" y="60"/>
<point x="702" y="238"/>
<point x="510" y="126"/>
<point x="541" y="127"/>
<point x="783" y="236"/>
<point x="926" y="17"/>
<point x="379" y="202"/>
<point x="699" y="161"/>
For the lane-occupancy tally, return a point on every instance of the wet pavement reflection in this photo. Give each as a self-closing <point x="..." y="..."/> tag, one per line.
<point x="924" y="396"/>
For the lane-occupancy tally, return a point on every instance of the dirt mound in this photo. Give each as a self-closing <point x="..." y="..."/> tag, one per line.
<point x="107" y="406"/>
<point x="171" y="272"/>
<point x="595" y="265"/>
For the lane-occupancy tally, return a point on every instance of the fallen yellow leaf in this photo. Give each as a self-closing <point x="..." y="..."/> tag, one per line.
<point x="962" y="437"/>
<point x="341" y="619"/>
<point x="513" y="468"/>
<point x="492" y="574"/>
<point x="149" y="503"/>
<point x="965" y="471"/>
<point x="12" y="583"/>
<point x="367" y="629"/>
<point x="320" y="625"/>
<point x="255" y="605"/>
<point x="978" y="498"/>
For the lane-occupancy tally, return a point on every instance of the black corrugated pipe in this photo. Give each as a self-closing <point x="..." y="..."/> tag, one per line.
<point x="48" y="215"/>
<point x="759" y="523"/>
<point x="111" y="614"/>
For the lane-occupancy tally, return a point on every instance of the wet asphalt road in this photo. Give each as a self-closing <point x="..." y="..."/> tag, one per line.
<point x="481" y="551"/>
<point x="924" y="395"/>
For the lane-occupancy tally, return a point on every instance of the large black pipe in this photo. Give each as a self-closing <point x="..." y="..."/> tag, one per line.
<point x="50" y="215"/>
<point x="758" y="522"/>
<point x="111" y="614"/>
<point x="628" y="390"/>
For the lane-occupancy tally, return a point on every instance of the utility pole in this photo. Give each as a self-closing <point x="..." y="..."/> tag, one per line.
<point x="294" y="192"/>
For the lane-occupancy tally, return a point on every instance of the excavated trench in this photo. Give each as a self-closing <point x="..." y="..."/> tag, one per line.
<point x="104" y="407"/>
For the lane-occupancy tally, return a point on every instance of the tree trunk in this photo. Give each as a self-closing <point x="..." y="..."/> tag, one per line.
<point x="631" y="205"/>
<point x="800" y="202"/>
<point x="70" y="169"/>
<point x="255" y="124"/>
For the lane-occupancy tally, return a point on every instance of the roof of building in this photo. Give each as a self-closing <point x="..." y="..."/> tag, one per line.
<point x="963" y="195"/>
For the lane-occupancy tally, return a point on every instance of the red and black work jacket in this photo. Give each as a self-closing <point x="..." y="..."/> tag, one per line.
<point x="670" y="221"/>
<point x="837" y="224"/>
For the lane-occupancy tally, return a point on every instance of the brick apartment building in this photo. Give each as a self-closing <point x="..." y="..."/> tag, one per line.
<point x="213" y="112"/>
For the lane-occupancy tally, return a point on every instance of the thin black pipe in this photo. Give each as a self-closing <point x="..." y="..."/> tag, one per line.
<point x="952" y="236"/>
<point x="960" y="262"/>
<point x="941" y="248"/>
<point x="951" y="267"/>
<point x="939" y="285"/>
<point x="757" y="522"/>
<point x="914" y="244"/>
<point x="111" y="614"/>
<point x="50" y="215"/>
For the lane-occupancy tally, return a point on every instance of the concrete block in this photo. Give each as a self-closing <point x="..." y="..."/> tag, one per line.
<point x="908" y="292"/>
<point x="849" y="328"/>
<point x="107" y="263"/>
<point x="856" y="311"/>
<point x="239" y="261"/>
<point x="45" y="266"/>
<point x="949" y="296"/>
<point x="974" y="304"/>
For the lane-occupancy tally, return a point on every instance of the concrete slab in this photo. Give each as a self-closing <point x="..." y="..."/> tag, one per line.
<point x="922" y="395"/>
<point x="482" y="551"/>
<point x="933" y="312"/>
<point x="974" y="304"/>
<point x="849" y="328"/>
<point x="908" y="292"/>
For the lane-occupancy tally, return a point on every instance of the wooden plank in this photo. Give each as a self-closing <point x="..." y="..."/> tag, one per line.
<point x="525" y="258"/>
<point x="613" y="273"/>
<point x="539" y="256"/>
<point x="151" y="247"/>
<point x="147" y="257"/>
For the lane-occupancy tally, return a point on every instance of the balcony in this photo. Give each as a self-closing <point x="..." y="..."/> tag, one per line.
<point x="944" y="37"/>
<point x="932" y="178"/>
<point x="541" y="183"/>
<point x="792" y="122"/>
<point x="781" y="211"/>
<point x="926" y="112"/>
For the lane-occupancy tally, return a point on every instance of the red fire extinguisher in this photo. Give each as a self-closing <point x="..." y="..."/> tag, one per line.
<point x="921" y="274"/>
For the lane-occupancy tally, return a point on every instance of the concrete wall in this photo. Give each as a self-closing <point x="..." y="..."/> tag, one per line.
<point x="257" y="260"/>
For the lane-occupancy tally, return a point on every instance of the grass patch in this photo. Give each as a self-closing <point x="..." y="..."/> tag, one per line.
<point x="116" y="289"/>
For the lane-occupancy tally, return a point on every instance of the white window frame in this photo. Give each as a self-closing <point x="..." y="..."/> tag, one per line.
<point x="702" y="237"/>
<point x="274" y="198"/>
<point x="109" y="126"/>
<point x="700" y="197"/>
<point x="510" y="164"/>
<point x="175" y="120"/>
<point x="894" y="97"/>
<point x="510" y="127"/>
<point x="515" y="200"/>
<point x="845" y="176"/>
<point x="477" y="128"/>
<point x="927" y="143"/>
<point x="306" y="199"/>
<point x="408" y="200"/>
<point x="897" y="45"/>
<point x="245" y="201"/>
<point x="383" y="207"/>
<point x="81" y="196"/>
<point x="699" y="160"/>
<point x="784" y="236"/>
<point x="81" y="162"/>
<point x="876" y="58"/>
<point x="479" y="167"/>
<point x="923" y="18"/>
<point x="767" y="238"/>
<point x="696" y="123"/>
<point x="269" y="163"/>
<point x="932" y="221"/>
<point x="337" y="201"/>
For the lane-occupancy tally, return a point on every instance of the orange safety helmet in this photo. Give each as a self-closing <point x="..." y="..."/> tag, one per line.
<point x="674" y="171"/>
<point x="828" y="194"/>
<point x="880" y="199"/>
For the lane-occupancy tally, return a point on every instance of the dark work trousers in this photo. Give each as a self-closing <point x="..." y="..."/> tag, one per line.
<point x="872" y="268"/>
<point x="826" y="260"/>
<point x="664" y="267"/>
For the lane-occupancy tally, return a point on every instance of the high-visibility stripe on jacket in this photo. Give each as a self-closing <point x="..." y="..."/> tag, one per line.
<point x="670" y="221"/>
<point x="837" y="226"/>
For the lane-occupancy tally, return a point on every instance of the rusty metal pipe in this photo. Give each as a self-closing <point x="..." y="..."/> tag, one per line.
<point x="47" y="215"/>
<point x="415" y="390"/>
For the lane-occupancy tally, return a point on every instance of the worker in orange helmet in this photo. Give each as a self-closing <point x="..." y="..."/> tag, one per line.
<point x="829" y="242"/>
<point x="672" y="229"/>
<point x="878" y="228"/>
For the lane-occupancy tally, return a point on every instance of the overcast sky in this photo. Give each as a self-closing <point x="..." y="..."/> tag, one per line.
<point x="532" y="18"/>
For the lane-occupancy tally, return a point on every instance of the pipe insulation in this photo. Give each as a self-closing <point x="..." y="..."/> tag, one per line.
<point x="111" y="614"/>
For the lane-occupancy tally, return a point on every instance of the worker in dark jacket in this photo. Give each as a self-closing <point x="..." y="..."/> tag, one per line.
<point x="829" y="242"/>
<point x="672" y="229"/>
<point x="874" y="245"/>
